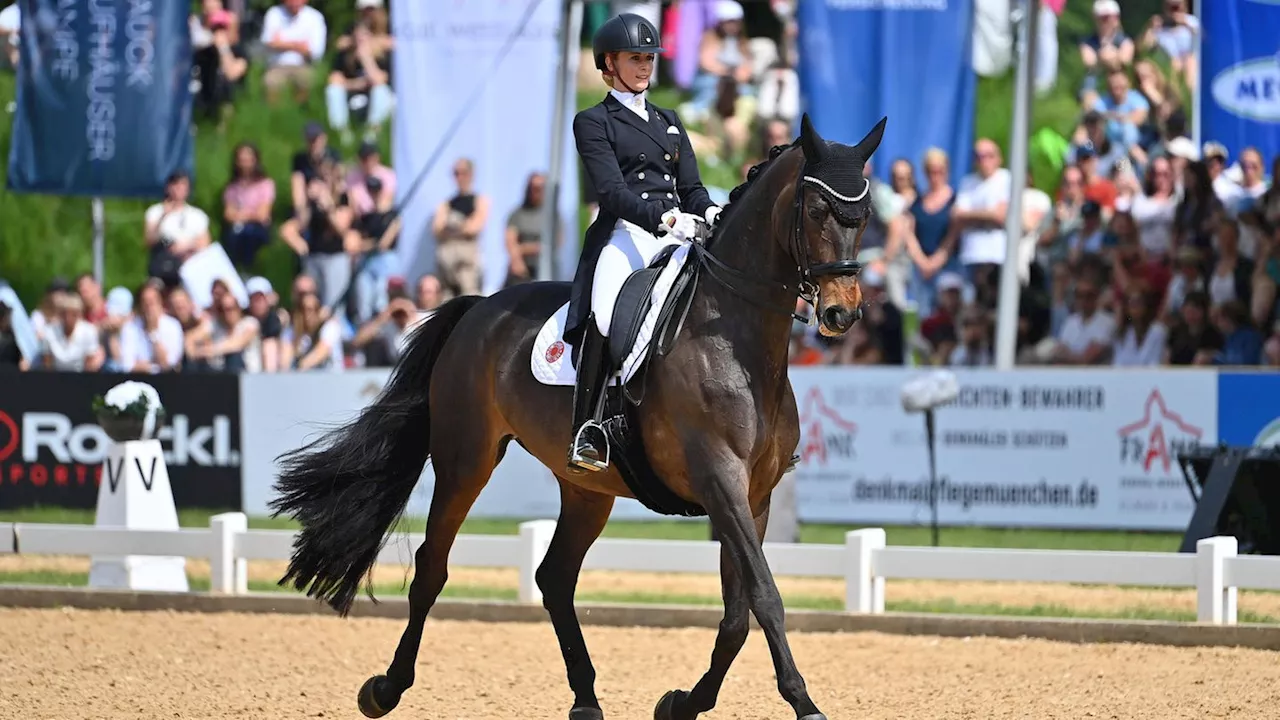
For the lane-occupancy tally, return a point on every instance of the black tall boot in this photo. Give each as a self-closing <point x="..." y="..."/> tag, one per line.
<point x="589" y="449"/>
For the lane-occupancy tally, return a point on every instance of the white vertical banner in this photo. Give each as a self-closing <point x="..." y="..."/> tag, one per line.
<point x="444" y="68"/>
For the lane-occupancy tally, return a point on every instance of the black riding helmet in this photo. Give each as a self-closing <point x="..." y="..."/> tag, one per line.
<point x="627" y="32"/>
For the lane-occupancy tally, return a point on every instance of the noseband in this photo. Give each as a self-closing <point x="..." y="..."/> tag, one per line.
<point x="804" y="287"/>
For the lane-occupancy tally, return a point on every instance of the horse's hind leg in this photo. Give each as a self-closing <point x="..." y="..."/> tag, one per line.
<point x="461" y="473"/>
<point x="681" y="705"/>
<point x="583" y="515"/>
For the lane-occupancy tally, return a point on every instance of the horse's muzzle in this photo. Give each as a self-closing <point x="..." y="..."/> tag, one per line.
<point x="838" y="318"/>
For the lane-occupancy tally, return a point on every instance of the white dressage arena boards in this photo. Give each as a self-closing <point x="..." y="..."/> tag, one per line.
<point x="550" y="359"/>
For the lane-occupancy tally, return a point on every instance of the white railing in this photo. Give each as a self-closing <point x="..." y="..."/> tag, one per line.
<point x="864" y="561"/>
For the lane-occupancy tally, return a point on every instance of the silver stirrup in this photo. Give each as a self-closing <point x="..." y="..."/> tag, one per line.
<point x="586" y="463"/>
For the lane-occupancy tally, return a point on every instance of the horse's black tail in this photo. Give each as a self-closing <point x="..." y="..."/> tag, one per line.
<point x="350" y="486"/>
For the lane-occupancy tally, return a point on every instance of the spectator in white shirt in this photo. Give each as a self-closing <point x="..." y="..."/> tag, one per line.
<point x="152" y="341"/>
<point x="1087" y="336"/>
<point x="294" y="35"/>
<point x="1152" y="207"/>
<point x="979" y="214"/>
<point x="174" y="231"/>
<point x="10" y="23"/>
<point x="71" y="342"/>
<point x="1140" y="340"/>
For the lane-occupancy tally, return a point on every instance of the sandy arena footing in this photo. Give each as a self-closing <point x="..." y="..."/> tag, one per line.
<point x="65" y="663"/>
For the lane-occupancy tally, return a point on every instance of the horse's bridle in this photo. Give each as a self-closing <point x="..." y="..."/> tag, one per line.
<point x="805" y="287"/>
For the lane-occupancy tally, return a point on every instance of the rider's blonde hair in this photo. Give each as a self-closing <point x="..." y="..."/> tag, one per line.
<point x="607" y="75"/>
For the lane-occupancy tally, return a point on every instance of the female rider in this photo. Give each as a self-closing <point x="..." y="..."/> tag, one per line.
<point x="638" y="158"/>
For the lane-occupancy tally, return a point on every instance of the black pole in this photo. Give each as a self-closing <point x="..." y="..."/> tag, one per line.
<point x="933" y="475"/>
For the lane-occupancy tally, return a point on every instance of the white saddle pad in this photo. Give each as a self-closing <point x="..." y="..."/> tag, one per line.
<point x="551" y="358"/>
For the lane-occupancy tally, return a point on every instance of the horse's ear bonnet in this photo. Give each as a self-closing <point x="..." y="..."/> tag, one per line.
<point x="835" y="170"/>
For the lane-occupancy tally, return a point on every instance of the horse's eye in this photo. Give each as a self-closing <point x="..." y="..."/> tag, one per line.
<point x="816" y="213"/>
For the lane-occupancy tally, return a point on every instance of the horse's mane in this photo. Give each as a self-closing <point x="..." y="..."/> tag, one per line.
<point x="753" y="174"/>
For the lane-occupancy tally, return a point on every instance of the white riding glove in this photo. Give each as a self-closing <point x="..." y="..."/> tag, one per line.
<point x="712" y="215"/>
<point x="679" y="225"/>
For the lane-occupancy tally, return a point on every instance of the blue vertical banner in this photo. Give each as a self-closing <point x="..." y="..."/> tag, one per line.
<point x="104" y="99"/>
<point x="910" y="60"/>
<point x="1240" y="75"/>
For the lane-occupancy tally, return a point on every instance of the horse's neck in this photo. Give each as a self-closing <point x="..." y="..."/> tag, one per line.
<point x="747" y="244"/>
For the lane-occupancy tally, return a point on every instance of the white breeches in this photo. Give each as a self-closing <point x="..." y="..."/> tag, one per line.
<point x="630" y="248"/>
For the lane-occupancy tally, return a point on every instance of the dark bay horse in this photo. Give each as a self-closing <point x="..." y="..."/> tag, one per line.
<point x="719" y="424"/>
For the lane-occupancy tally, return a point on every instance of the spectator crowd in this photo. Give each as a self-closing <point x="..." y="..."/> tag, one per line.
<point x="1152" y="251"/>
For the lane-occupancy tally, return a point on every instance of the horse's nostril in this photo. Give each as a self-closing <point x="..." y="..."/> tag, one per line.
<point x="857" y="315"/>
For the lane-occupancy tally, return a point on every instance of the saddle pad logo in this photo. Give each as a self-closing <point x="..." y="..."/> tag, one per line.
<point x="555" y="352"/>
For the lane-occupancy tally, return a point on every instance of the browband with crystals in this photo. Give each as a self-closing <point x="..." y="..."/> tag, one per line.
<point x="865" y="189"/>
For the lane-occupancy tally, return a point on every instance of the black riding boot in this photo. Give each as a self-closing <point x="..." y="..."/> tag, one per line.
<point x="589" y="449"/>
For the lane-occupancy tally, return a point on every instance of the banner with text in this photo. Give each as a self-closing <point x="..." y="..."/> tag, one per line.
<point x="853" y="72"/>
<point x="104" y="100"/>
<point x="51" y="447"/>
<point x="1049" y="448"/>
<point x="506" y="133"/>
<point x="1240" y="71"/>
<point x="283" y="412"/>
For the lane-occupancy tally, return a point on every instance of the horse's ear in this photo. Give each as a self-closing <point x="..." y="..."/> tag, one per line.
<point x="867" y="145"/>
<point x="815" y="148"/>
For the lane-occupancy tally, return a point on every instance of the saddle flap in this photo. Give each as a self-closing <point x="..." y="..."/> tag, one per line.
<point x="632" y="305"/>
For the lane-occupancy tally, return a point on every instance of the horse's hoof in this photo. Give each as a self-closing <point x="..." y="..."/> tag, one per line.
<point x="377" y="698"/>
<point x="666" y="707"/>
<point x="586" y="713"/>
<point x="815" y="716"/>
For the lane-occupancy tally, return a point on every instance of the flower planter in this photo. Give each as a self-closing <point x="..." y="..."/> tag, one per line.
<point x="123" y="428"/>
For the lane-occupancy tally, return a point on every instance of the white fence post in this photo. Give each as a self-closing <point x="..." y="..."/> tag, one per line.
<point x="863" y="588"/>
<point x="228" y="574"/>
<point x="1215" y="602"/>
<point x="535" y="536"/>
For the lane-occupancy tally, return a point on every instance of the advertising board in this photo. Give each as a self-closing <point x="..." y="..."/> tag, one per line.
<point x="51" y="447"/>
<point x="1048" y="448"/>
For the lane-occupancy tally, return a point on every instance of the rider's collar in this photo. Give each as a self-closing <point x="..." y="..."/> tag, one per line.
<point x="635" y="102"/>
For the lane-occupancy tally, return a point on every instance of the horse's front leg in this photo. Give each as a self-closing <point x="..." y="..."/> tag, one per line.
<point x="681" y="705"/>
<point x="721" y="480"/>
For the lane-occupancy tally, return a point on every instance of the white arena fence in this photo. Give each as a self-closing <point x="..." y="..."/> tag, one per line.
<point x="1216" y="571"/>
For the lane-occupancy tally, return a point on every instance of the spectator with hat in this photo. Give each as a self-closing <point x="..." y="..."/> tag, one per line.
<point x="1090" y="141"/>
<point x="882" y="318"/>
<point x="1215" y="157"/>
<point x="382" y="338"/>
<point x="119" y="308"/>
<point x="1107" y="49"/>
<point x="309" y="162"/>
<point x="264" y="307"/>
<point x="174" y="230"/>
<point x="219" y="63"/>
<point x="939" y="328"/>
<point x="371" y="189"/>
<point x="294" y="35"/>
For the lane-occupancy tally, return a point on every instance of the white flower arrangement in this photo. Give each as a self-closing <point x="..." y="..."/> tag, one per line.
<point x="130" y="411"/>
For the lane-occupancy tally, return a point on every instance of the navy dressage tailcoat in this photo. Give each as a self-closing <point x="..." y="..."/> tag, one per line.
<point x="639" y="170"/>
